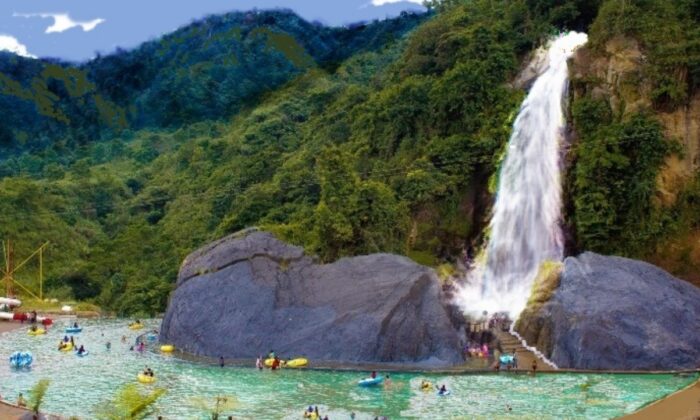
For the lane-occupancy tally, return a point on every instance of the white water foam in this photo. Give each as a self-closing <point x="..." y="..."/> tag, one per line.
<point x="525" y="225"/>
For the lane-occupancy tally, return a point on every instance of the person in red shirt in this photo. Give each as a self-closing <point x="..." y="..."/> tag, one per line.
<point x="275" y="363"/>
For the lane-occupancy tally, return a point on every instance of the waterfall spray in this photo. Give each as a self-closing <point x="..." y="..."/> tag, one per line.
<point x="526" y="216"/>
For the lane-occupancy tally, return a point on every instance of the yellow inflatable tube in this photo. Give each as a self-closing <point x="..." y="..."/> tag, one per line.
<point x="67" y="347"/>
<point x="294" y="363"/>
<point x="167" y="348"/>
<point x="145" y="379"/>
<point x="39" y="331"/>
<point x="135" y="326"/>
<point x="297" y="363"/>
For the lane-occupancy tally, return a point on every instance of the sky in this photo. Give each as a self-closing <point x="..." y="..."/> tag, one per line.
<point x="75" y="30"/>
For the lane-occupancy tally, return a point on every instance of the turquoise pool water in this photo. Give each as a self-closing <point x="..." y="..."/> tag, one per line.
<point x="80" y="385"/>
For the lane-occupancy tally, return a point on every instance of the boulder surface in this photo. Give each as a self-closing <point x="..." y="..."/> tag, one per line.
<point x="617" y="313"/>
<point x="250" y="293"/>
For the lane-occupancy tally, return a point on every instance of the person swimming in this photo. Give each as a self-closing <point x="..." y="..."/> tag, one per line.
<point x="81" y="350"/>
<point x="443" y="390"/>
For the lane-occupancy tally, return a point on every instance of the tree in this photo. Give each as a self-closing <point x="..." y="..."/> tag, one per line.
<point x="216" y="407"/>
<point x="37" y="396"/>
<point x="130" y="404"/>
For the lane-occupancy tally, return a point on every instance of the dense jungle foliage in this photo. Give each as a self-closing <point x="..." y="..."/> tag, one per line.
<point x="379" y="137"/>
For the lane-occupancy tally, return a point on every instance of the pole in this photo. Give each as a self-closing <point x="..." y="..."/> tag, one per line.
<point x="10" y="268"/>
<point x="41" y="273"/>
<point x="5" y="272"/>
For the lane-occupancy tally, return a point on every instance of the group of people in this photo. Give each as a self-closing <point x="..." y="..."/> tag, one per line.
<point x="69" y="343"/>
<point x="427" y="385"/>
<point x="475" y="350"/>
<point x="147" y="371"/>
<point x="313" y="414"/>
<point x="66" y="342"/>
<point x="276" y="362"/>
<point x="140" y="345"/>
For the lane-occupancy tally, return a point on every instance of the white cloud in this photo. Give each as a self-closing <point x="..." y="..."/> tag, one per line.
<point x="10" y="43"/>
<point x="383" y="2"/>
<point x="62" y="22"/>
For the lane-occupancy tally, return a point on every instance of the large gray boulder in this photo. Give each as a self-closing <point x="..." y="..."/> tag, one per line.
<point x="617" y="313"/>
<point x="249" y="293"/>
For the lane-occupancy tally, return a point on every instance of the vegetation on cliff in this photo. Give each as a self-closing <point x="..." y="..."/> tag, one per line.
<point x="650" y="51"/>
<point x="379" y="137"/>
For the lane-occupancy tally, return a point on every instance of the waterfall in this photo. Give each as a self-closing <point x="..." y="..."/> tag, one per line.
<point x="525" y="225"/>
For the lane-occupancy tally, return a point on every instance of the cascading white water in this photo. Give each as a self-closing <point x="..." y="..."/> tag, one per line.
<point x="525" y="224"/>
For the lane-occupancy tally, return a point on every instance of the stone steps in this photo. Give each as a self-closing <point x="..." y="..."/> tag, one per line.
<point x="512" y="344"/>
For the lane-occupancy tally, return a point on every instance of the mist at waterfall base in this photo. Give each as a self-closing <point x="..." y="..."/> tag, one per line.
<point x="525" y="224"/>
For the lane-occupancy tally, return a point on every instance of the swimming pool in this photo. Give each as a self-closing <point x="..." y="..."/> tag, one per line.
<point x="80" y="385"/>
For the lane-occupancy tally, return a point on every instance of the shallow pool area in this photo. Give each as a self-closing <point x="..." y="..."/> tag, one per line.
<point x="80" y="385"/>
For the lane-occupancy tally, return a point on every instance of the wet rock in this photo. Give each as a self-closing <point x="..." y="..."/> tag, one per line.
<point x="249" y="293"/>
<point x="617" y="313"/>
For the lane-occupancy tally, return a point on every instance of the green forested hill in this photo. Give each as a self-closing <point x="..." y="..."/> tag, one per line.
<point x="208" y="70"/>
<point x="384" y="137"/>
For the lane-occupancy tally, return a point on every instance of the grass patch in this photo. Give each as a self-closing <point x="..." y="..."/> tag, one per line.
<point x="48" y="306"/>
<point x="423" y="258"/>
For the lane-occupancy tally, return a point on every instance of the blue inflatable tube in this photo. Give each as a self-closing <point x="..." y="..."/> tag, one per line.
<point x="371" y="381"/>
<point x="73" y="330"/>
<point x="443" y="394"/>
<point x="20" y="359"/>
<point x="506" y="359"/>
<point x="83" y="354"/>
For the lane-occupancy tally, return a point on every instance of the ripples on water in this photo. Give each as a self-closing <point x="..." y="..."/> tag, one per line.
<point x="79" y="385"/>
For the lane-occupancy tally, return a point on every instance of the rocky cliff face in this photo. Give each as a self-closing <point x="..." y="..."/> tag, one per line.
<point x="246" y="294"/>
<point x="617" y="75"/>
<point x="616" y="313"/>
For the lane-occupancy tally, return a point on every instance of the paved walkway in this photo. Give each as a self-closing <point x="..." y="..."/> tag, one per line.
<point x="10" y="412"/>
<point x="682" y="405"/>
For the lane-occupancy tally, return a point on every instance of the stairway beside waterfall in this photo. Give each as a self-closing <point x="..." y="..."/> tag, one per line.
<point x="511" y="344"/>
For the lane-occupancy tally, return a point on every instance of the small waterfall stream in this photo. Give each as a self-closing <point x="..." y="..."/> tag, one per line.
<point x="524" y="228"/>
